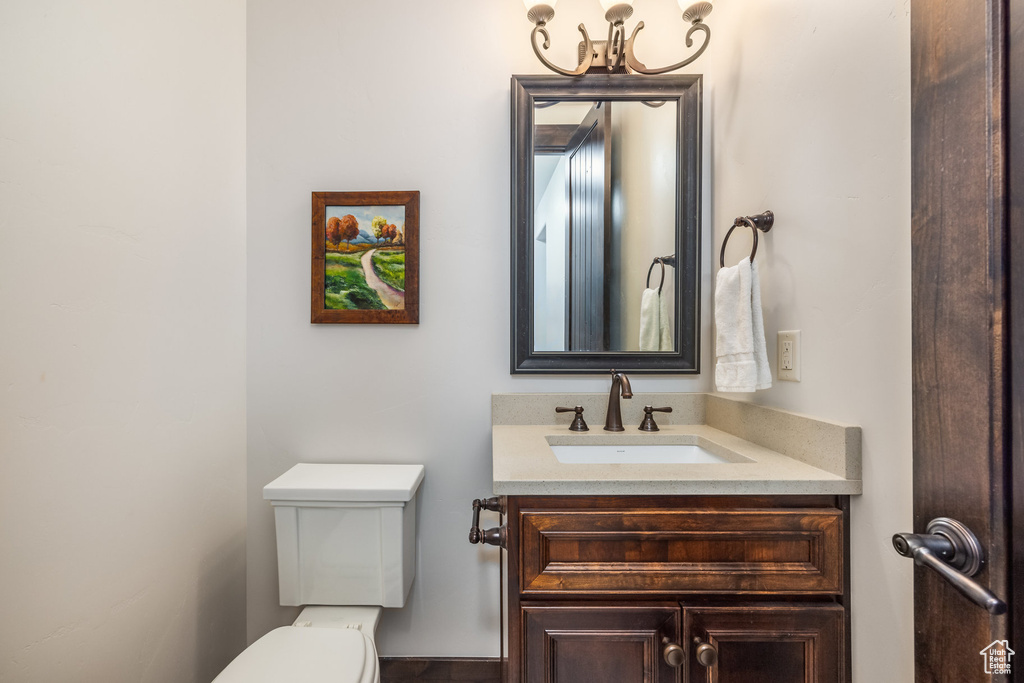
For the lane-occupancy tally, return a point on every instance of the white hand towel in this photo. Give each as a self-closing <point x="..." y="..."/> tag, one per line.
<point x="764" y="372"/>
<point x="665" y="317"/>
<point x="650" y="320"/>
<point x="740" y="348"/>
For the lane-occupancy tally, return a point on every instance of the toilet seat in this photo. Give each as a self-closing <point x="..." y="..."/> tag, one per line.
<point x="310" y="655"/>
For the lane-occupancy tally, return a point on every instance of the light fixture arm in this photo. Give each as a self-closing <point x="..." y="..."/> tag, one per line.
<point x="618" y="50"/>
<point x="585" y="62"/>
<point x="633" y="65"/>
<point x="615" y="45"/>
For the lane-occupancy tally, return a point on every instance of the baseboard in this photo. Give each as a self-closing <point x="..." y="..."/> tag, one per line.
<point x="436" y="669"/>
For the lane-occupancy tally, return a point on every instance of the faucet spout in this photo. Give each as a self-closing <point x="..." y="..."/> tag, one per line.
<point x="627" y="391"/>
<point x="620" y="387"/>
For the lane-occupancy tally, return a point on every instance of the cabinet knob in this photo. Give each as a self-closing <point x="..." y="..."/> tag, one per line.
<point x="706" y="653"/>
<point x="673" y="654"/>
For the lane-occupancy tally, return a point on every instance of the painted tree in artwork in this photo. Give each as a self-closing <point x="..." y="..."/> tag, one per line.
<point x="334" y="230"/>
<point x="349" y="228"/>
<point x="378" y="224"/>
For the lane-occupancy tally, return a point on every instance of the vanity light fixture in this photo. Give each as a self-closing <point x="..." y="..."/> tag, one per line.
<point x="616" y="53"/>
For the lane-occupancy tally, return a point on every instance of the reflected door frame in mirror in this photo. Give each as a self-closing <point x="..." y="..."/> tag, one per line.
<point x="686" y="92"/>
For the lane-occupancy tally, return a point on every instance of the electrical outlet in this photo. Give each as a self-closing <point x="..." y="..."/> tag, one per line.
<point x="786" y="359"/>
<point x="789" y="356"/>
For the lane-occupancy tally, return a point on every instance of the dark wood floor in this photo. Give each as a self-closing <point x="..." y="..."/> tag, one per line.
<point x="437" y="669"/>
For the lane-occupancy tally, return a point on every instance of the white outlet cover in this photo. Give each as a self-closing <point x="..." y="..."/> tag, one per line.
<point x="789" y="371"/>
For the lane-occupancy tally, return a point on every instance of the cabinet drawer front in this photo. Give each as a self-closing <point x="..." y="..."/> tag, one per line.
<point x="645" y="552"/>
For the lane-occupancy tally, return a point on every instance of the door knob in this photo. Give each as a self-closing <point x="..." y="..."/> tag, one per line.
<point x="673" y="654"/>
<point x="953" y="551"/>
<point x="706" y="653"/>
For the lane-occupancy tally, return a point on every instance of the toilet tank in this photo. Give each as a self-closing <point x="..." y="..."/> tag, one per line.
<point x="346" y="534"/>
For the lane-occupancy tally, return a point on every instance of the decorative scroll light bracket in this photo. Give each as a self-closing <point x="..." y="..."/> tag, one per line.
<point x="615" y="55"/>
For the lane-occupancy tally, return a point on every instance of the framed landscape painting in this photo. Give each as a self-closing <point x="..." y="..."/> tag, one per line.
<point x="365" y="257"/>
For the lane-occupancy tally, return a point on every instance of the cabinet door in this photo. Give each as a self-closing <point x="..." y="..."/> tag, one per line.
<point x="599" y="644"/>
<point x="767" y="644"/>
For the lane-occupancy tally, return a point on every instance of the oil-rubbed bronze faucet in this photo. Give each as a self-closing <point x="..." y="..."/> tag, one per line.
<point x="578" y="423"/>
<point x="620" y="385"/>
<point x="648" y="424"/>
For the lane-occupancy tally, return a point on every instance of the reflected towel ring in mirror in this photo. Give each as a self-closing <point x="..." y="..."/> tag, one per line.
<point x="662" y="283"/>
<point x="762" y="221"/>
<point x="669" y="260"/>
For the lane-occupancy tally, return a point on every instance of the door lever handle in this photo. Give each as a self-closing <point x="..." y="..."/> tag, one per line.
<point x="953" y="551"/>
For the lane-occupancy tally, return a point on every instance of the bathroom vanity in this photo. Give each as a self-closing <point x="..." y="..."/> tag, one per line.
<point x="713" y="549"/>
<point x="733" y="569"/>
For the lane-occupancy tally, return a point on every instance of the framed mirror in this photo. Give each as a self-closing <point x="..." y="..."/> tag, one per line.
<point x="606" y="224"/>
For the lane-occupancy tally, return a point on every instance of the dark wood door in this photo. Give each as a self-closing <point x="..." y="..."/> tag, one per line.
<point x="583" y="643"/>
<point x="766" y="643"/>
<point x="588" y="157"/>
<point x="966" y="408"/>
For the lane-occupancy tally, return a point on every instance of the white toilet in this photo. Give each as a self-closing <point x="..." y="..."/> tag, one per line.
<point x="346" y="547"/>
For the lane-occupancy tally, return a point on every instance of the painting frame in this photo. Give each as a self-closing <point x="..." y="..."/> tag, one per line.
<point x="322" y="310"/>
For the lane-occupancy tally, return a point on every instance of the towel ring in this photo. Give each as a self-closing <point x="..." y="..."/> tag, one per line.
<point x="762" y="221"/>
<point x="657" y="260"/>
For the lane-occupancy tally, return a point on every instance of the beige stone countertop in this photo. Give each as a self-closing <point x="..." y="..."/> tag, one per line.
<point x="524" y="464"/>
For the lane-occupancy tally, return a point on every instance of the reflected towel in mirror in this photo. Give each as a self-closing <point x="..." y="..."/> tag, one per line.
<point x="665" y="323"/>
<point x="650" y="321"/>
<point x="655" y="322"/>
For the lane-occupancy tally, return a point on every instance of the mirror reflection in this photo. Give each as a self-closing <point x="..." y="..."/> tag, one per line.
<point x="606" y="224"/>
<point x="604" y="219"/>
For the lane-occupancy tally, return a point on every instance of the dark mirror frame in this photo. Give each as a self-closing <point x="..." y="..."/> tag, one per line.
<point x="686" y="92"/>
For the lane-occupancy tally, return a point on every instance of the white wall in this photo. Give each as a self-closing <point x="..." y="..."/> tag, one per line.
<point x="122" y="342"/>
<point x="810" y="111"/>
<point x="807" y="110"/>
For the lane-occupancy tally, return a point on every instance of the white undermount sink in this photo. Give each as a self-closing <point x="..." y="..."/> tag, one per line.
<point x="603" y="454"/>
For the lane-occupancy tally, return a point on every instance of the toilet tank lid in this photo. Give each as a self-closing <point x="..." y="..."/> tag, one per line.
<point x="337" y="482"/>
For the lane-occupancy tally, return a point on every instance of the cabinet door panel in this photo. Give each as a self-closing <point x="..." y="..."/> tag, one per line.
<point x="599" y="644"/>
<point x="781" y="661"/>
<point x="768" y="643"/>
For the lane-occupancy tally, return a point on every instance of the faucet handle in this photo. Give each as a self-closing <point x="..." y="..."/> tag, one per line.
<point x="578" y="425"/>
<point x="648" y="424"/>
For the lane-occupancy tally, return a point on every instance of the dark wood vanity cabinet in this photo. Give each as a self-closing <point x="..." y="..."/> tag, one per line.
<point x="730" y="589"/>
